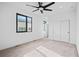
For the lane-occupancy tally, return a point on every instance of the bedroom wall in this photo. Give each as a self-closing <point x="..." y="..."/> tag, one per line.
<point x="8" y="35"/>
<point x="65" y="16"/>
<point x="77" y="41"/>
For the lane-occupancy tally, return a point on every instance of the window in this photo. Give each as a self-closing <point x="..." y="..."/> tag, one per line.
<point x="23" y="23"/>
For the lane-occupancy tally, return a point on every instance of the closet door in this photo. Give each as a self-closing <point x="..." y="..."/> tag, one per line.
<point x="65" y="31"/>
<point x="61" y="31"/>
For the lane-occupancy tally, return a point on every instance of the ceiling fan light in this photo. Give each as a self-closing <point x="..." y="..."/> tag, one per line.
<point x="40" y="8"/>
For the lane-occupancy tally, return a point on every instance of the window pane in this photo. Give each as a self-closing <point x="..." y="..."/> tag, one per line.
<point x="29" y="19"/>
<point x="29" y="24"/>
<point x="21" y="26"/>
<point x="21" y="23"/>
<point x="21" y="18"/>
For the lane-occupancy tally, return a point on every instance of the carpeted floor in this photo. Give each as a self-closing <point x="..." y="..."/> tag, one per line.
<point x="41" y="48"/>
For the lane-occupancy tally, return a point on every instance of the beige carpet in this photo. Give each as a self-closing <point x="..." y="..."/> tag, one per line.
<point x="42" y="48"/>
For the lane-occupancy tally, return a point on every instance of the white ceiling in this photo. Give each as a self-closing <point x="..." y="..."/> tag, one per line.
<point x="58" y="7"/>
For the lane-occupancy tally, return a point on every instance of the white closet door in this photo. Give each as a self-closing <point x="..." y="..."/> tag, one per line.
<point x="61" y="30"/>
<point x="65" y="31"/>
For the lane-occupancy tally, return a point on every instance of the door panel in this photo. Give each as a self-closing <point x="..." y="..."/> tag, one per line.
<point x="60" y="30"/>
<point x="65" y="31"/>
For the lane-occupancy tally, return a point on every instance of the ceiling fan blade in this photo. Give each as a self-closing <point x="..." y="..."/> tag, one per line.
<point x="48" y="4"/>
<point x="35" y="10"/>
<point x="32" y="6"/>
<point x="48" y="9"/>
<point x="41" y="11"/>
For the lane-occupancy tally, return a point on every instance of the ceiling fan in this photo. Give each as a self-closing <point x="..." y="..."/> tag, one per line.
<point x="41" y="7"/>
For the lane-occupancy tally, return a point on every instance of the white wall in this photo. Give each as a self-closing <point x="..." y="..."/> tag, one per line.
<point x="77" y="41"/>
<point x="8" y="35"/>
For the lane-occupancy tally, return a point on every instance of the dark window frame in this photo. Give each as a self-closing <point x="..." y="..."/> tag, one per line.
<point x="26" y="23"/>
